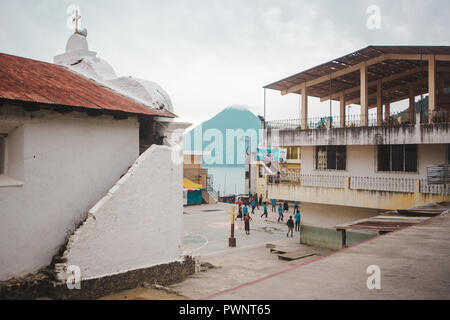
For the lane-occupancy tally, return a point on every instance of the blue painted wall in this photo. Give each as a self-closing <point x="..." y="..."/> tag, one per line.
<point x="229" y="174"/>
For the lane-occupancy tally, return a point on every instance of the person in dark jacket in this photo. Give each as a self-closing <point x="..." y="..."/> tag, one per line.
<point x="286" y="206"/>
<point x="247" y="219"/>
<point x="290" y="225"/>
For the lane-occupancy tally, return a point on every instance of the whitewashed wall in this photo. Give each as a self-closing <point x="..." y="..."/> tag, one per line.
<point x="328" y="216"/>
<point x="361" y="161"/>
<point x="138" y="224"/>
<point x="68" y="162"/>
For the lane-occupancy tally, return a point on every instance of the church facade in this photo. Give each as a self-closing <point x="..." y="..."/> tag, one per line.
<point x="88" y="161"/>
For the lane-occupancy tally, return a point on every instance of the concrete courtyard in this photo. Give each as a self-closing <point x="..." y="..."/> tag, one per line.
<point x="207" y="229"/>
<point x="414" y="264"/>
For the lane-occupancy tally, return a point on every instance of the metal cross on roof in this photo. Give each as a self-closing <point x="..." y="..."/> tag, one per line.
<point x="75" y="19"/>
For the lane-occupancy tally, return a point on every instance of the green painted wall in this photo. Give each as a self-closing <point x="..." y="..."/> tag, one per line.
<point x="330" y="238"/>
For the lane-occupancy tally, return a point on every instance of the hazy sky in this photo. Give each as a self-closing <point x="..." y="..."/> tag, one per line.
<point x="209" y="54"/>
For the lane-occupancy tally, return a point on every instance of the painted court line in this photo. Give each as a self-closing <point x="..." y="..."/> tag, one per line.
<point x="306" y="263"/>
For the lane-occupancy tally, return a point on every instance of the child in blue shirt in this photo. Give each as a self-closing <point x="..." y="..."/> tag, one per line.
<point x="245" y="210"/>
<point x="253" y="206"/>
<point x="297" y="220"/>
<point x="295" y="206"/>
<point x="265" y="210"/>
<point x="280" y="213"/>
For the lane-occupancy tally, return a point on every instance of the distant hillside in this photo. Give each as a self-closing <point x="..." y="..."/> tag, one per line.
<point x="234" y="118"/>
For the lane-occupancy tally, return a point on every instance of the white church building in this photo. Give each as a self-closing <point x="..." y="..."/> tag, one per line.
<point x="90" y="168"/>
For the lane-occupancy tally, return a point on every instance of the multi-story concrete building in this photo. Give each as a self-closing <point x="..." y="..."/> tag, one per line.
<point x="342" y="168"/>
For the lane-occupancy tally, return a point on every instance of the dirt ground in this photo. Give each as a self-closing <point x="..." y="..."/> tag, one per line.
<point x="142" y="293"/>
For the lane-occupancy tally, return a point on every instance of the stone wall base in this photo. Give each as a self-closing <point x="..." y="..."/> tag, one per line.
<point x="42" y="285"/>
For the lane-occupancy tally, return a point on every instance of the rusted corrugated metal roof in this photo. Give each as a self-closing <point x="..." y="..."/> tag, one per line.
<point x="23" y="79"/>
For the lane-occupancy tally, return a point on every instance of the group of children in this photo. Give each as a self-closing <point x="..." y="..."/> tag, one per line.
<point x="283" y="207"/>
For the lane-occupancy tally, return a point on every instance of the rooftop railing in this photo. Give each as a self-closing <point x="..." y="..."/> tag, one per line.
<point x="350" y="121"/>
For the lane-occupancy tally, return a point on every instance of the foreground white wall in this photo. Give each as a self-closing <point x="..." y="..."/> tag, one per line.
<point x="138" y="224"/>
<point x="67" y="163"/>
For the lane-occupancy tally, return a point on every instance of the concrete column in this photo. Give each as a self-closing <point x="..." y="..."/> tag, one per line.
<point x="431" y="86"/>
<point x="417" y="194"/>
<point x="304" y="119"/>
<point x="364" y="97"/>
<point x="347" y="183"/>
<point x="379" y="103"/>
<point x="387" y="110"/>
<point x="412" y="104"/>
<point x="342" y="111"/>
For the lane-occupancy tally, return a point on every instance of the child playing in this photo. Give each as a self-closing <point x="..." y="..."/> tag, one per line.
<point x="280" y="213"/>
<point x="297" y="221"/>
<point x="247" y="219"/>
<point x="290" y="225"/>
<point x="265" y="210"/>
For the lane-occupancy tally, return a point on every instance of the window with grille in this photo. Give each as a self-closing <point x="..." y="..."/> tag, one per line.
<point x="400" y="158"/>
<point x="331" y="157"/>
<point x="448" y="153"/>
<point x="293" y="153"/>
<point x="260" y="171"/>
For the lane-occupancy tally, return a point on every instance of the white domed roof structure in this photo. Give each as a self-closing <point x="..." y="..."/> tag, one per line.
<point x="78" y="58"/>
<point x="94" y="68"/>
<point x="146" y="92"/>
<point x="77" y="42"/>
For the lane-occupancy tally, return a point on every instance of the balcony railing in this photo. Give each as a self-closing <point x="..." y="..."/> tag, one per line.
<point x="382" y="184"/>
<point x="387" y="184"/>
<point x="311" y="180"/>
<point x="434" y="188"/>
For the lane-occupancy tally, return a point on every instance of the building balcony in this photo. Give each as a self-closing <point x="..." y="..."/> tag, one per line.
<point x="336" y="131"/>
<point x="388" y="193"/>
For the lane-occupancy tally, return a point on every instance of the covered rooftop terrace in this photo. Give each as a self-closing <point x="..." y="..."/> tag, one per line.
<point x="374" y="77"/>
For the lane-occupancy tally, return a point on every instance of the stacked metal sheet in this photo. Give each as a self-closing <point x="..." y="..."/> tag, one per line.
<point x="438" y="174"/>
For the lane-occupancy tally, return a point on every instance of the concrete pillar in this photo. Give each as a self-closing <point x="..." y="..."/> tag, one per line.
<point x="347" y="183"/>
<point x="412" y="104"/>
<point x="387" y="110"/>
<point x="364" y="97"/>
<point x="431" y="86"/>
<point x="417" y="194"/>
<point x="342" y="111"/>
<point x="304" y="119"/>
<point x="379" y="103"/>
